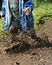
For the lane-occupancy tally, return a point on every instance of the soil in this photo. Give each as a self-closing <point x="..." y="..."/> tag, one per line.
<point x="21" y="49"/>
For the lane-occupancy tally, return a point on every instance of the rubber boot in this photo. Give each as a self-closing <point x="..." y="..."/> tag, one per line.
<point x="33" y="34"/>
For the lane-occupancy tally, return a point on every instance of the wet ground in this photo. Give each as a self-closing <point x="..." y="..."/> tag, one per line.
<point x="28" y="51"/>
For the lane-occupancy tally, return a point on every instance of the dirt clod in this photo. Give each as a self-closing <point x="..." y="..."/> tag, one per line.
<point x="17" y="63"/>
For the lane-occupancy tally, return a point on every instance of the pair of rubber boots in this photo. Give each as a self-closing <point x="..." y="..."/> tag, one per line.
<point x="31" y="33"/>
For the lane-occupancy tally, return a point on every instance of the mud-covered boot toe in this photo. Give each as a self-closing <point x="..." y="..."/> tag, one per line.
<point x="11" y="29"/>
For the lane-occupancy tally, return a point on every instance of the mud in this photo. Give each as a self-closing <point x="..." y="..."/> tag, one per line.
<point x="21" y="49"/>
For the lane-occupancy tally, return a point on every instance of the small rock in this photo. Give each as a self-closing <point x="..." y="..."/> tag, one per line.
<point x="17" y="63"/>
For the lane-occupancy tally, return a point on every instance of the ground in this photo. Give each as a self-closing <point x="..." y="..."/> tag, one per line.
<point x="31" y="52"/>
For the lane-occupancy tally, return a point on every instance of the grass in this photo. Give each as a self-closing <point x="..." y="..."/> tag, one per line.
<point x="43" y="10"/>
<point x="2" y="32"/>
<point x="1" y="24"/>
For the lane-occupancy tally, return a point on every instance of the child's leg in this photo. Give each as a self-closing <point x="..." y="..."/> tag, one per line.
<point x="14" y="10"/>
<point x="30" y="26"/>
<point x="30" y="21"/>
<point x="14" y="26"/>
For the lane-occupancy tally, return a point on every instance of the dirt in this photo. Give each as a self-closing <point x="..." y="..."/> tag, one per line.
<point x="24" y="50"/>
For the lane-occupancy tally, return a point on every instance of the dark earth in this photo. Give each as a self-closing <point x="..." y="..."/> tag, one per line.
<point x="23" y="50"/>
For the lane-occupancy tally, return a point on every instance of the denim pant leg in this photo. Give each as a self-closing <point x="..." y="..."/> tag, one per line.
<point x="30" y="21"/>
<point x="6" y="24"/>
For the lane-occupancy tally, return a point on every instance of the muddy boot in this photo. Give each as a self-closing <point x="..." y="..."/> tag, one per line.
<point x="12" y="29"/>
<point x="32" y="34"/>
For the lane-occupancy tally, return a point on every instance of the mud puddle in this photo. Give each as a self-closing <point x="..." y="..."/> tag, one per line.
<point x="27" y="51"/>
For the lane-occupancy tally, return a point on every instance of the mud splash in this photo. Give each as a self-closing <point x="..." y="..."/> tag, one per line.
<point x="25" y="50"/>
